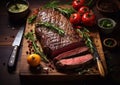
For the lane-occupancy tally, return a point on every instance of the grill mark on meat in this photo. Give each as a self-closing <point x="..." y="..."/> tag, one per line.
<point x="52" y="43"/>
<point x="75" y="62"/>
<point x="72" y="53"/>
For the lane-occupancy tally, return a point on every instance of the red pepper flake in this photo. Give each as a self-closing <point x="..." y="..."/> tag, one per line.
<point x="12" y="36"/>
<point x="35" y="41"/>
<point x="26" y="38"/>
<point x="28" y="41"/>
<point x="33" y="51"/>
<point x="27" y="52"/>
<point x="31" y="30"/>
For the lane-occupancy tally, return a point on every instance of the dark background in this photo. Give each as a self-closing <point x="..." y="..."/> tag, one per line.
<point x="8" y="32"/>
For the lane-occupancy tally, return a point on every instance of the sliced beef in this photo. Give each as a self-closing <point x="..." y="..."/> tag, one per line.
<point x="74" y="52"/>
<point x="75" y="62"/>
<point x="52" y="43"/>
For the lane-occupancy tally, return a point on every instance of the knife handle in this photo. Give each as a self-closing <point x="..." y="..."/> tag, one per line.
<point x="100" y="67"/>
<point x="11" y="62"/>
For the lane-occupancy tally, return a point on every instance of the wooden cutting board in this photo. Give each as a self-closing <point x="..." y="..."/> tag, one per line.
<point x="27" y="72"/>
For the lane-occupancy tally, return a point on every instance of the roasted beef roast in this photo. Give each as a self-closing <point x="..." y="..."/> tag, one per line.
<point x="68" y="51"/>
<point x="54" y="44"/>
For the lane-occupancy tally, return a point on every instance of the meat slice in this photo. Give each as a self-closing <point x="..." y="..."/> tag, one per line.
<point x="74" y="52"/>
<point x="75" y="62"/>
<point x="52" y="43"/>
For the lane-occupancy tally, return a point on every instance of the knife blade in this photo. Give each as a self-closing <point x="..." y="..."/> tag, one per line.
<point x="16" y="44"/>
<point x="98" y="60"/>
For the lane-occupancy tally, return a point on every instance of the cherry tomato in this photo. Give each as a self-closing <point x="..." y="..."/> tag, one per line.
<point x="88" y="19"/>
<point x="83" y="10"/>
<point x="76" y="4"/>
<point x="75" y="18"/>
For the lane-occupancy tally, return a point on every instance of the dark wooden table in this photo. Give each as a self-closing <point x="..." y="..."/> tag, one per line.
<point x="8" y="32"/>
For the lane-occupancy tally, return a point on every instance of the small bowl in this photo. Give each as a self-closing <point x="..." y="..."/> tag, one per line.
<point x="106" y="25"/>
<point x="110" y="43"/>
<point x="19" y="12"/>
<point x="108" y="7"/>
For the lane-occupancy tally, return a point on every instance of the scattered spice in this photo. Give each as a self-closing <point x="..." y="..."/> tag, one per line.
<point x="6" y="38"/>
<point x="12" y="36"/>
<point x="27" y="52"/>
<point x="32" y="42"/>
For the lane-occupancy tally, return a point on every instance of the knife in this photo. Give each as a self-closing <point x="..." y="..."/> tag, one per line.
<point x="16" y="44"/>
<point x="99" y="63"/>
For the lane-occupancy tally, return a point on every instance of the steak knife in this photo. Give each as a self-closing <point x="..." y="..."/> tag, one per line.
<point x="16" y="44"/>
<point x="99" y="63"/>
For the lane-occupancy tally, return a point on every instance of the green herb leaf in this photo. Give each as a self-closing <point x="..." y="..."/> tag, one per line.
<point x="31" y="19"/>
<point x="89" y="3"/>
<point x="51" y="4"/>
<point x="67" y="12"/>
<point x="51" y="26"/>
<point x="54" y="5"/>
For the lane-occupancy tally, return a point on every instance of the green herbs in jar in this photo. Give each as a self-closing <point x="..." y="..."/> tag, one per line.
<point x="16" y="8"/>
<point x="106" y="23"/>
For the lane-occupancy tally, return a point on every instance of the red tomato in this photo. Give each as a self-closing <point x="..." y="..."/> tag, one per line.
<point x="83" y="10"/>
<point x="88" y="19"/>
<point x="76" y="4"/>
<point x="75" y="18"/>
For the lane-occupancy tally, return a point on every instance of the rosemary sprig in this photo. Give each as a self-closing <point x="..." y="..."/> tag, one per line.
<point x="51" y="4"/>
<point x="54" y="5"/>
<point x="85" y="34"/>
<point x="31" y="19"/>
<point x="67" y="12"/>
<point x="30" y="36"/>
<point x="89" y="3"/>
<point x="52" y="27"/>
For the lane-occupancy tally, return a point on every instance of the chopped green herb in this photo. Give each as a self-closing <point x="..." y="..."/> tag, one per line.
<point x="106" y="23"/>
<point x="109" y="42"/>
